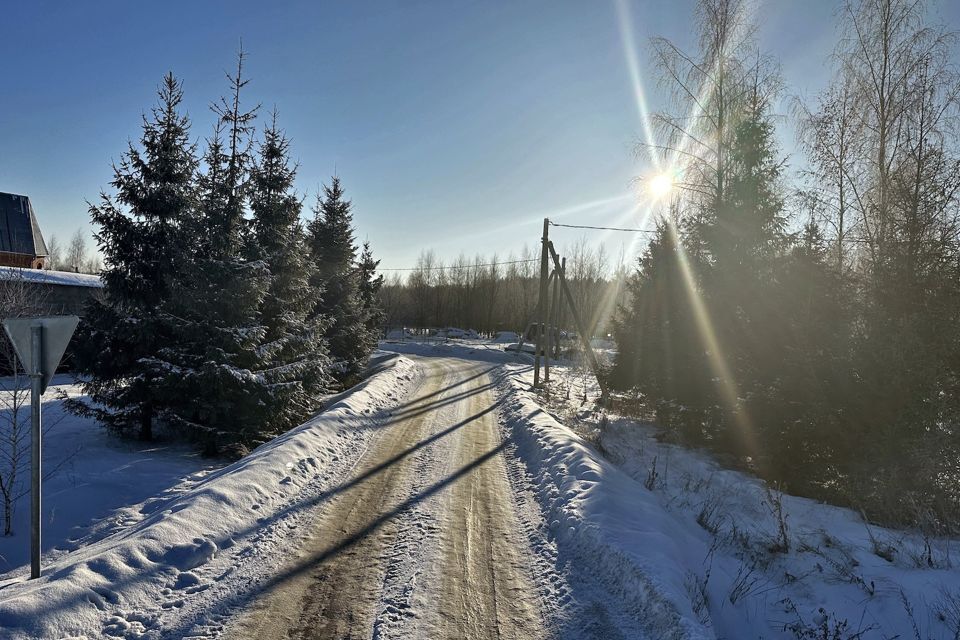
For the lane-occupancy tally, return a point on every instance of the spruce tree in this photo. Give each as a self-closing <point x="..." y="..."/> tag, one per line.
<point x="743" y="238"/>
<point x="813" y="381"/>
<point x="293" y="340"/>
<point x="659" y="350"/>
<point x="141" y="232"/>
<point x="215" y="363"/>
<point x="370" y="285"/>
<point x="332" y="249"/>
<point x="219" y="369"/>
<point x="227" y="222"/>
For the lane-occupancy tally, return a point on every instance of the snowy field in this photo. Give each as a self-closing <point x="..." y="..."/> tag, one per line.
<point x="95" y="484"/>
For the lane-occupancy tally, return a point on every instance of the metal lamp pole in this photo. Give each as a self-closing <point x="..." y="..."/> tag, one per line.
<point x="36" y="390"/>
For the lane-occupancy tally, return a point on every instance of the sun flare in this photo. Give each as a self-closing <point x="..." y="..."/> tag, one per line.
<point x="660" y="186"/>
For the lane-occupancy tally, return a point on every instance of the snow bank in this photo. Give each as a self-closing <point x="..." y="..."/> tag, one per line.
<point x="838" y="576"/>
<point x="601" y="515"/>
<point x="161" y="577"/>
<point x="752" y="562"/>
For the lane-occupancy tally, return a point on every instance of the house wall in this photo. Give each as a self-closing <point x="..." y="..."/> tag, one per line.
<point x="21" y="260"/>
<point x="58" y="299"/>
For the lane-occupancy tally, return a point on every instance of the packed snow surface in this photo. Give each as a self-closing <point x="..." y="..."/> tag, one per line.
<point x="582" y="521"/>
<point x="699" y="551"/>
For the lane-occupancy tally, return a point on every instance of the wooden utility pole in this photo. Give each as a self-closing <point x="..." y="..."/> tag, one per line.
<point x="555" y="314"/>
<point x="548" y="321"/>
<point x="581" y="328"/>
<point x="542" y="301"/>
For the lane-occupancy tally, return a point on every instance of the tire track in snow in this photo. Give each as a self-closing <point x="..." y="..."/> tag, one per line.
<point x="487" y="582"/>
<point x="326" y="590"/>
<point x="401" y="597"/>
<point x="423" y="544"/>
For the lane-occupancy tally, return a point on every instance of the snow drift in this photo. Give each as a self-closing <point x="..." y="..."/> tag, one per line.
<point x="634" y="547"/>
<point x="717" y="550"/>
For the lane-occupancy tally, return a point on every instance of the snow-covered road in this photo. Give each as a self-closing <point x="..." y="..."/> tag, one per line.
<point x="422" y="540"/>
<point x="443" y="498"/>
<point x="436" y="499"/>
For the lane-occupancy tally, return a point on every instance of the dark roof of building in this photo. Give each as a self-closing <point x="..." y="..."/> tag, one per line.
<point x="19" y="231"/>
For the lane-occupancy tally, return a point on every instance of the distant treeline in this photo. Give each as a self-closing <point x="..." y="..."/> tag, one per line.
<point x="809" y="327"/>
<point x="491" y="294"/>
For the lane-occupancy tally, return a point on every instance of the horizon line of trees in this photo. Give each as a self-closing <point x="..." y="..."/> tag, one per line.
<point x="224" y="318"/>
<point x="489" y="295"/>
<point x="810" y="330"/>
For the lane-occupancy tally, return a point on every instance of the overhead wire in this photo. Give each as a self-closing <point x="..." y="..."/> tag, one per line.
<point x="463" y="266"/>
<point x="586" y="226"/>
<point x="507" y="262"/>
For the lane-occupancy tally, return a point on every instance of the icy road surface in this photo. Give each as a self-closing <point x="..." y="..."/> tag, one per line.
<point x="421" y="540"/>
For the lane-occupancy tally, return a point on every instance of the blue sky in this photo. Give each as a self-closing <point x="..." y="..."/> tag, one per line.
<point x="453" y="125"/>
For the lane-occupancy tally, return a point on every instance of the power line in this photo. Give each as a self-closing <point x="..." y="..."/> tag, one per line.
<point x="584" y="226"/>
<point x="463" y="266"/>
<point x="495" y="264"/>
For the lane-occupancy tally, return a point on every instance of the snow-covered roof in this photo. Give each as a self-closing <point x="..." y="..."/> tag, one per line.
<point x="62" y="278"/>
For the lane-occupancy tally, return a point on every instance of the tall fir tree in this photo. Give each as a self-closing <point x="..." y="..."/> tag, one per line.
<point x="370" y="285"/>
<point x="659" y="350"/>
<point x="744" y="239"/>
<point x="219" y="369"/>
<point x="813" y="379"/>
<point x="142" y="233"/>
<point x="228" y="224"/>
<point x="294" y="336"/>
<point x="214" y="364"/>
<point x="334" y="253"/>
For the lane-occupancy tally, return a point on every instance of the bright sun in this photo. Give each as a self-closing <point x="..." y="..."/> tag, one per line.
<point x="660" y="185"/>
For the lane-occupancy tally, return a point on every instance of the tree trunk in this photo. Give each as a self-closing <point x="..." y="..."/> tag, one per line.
<point x="146" y="422"/>
<point x="7" y="514"/>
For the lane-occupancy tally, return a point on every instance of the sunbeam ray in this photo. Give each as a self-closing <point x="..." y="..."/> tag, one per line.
<point x="672" y="167"/>
<point x="633" y="68"/>
<point x="716" y="359"/>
